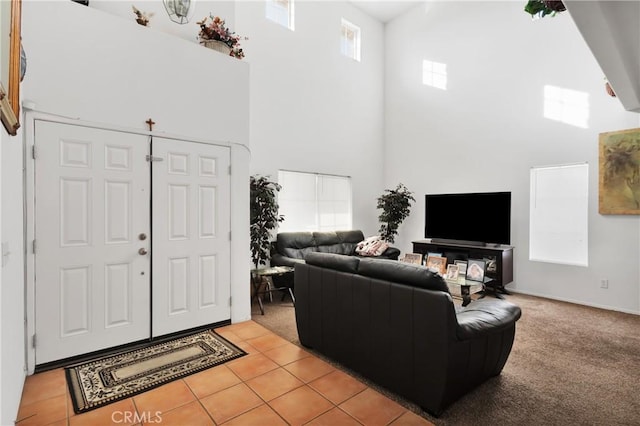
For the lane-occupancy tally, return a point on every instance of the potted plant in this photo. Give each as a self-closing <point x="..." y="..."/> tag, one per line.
<point x="395" y="205"/>
<point x="215" y="35"/>
<point x="264" y="217"/>
<point x="542" y="8"/>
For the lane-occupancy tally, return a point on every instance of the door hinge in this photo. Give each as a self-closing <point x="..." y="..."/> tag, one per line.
<point x="229" y="300"/>
<point x="33" y="248"/>
<point x="152" y="158"/>
<point x="33" y="341"/>
<point x="229" y="169"/>
<point x="229" y="235"/>
<point x="33" y="152"/>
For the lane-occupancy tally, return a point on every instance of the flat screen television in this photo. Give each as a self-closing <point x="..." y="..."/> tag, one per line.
<point x="476" y="218"/>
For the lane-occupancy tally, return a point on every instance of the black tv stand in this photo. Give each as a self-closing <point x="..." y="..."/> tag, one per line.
<point x="453" y="250"/>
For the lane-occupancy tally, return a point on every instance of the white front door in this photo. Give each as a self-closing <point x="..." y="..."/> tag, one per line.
<point x="92" y="278"/>
<point x="191" y="235"/>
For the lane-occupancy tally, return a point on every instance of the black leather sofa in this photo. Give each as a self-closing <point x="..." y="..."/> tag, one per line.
<point x="396" y="324"/>
<point x="292" y="247"/>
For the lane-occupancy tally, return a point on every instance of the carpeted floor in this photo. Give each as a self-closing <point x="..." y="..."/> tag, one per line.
<point x="570" y="365"/>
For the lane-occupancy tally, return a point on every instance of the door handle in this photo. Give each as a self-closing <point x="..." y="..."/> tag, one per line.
<point x="142" y="237"/>
<point x="142" y="251"/>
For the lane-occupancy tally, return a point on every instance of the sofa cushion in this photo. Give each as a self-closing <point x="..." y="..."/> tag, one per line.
<point x="400" y="272"/>
<point x="337" y="262"/>
<point x="295" y="244"/>
<point x="338" y="242"/>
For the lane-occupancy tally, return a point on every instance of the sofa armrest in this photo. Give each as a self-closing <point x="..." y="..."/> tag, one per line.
<point x="278" y="259"/>
<point x="391" y="253"/>
<point x="485" y="316"/>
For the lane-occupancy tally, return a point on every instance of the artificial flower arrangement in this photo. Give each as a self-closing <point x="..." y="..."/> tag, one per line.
<point x="216" y="29"/>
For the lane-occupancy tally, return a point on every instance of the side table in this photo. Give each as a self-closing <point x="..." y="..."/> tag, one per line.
<point x="282" y="277"/>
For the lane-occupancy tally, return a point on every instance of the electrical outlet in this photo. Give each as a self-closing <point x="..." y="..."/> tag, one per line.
<point x="604" y="283"/>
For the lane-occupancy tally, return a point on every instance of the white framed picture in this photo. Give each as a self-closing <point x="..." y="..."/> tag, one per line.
<point x="452" y="272"/>
<point x="462" y="266"/>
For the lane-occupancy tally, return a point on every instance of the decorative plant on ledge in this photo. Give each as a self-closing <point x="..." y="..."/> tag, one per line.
<point x="395" y="205"/>
<point x="542" y="8"/>
<point x="264" y="217"/>
<point x="216" y="31"/>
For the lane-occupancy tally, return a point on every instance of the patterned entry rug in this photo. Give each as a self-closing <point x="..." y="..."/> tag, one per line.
<point x="100" y="382"/>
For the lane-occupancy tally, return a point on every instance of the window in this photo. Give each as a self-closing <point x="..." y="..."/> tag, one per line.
<point x="350" y="40"/>
<point x="566" y="105"/>
<point x="314" y="202"/>
<point x="558" y="221"/>
<point x="280" y="11"/>
<point x="434" y="74"/>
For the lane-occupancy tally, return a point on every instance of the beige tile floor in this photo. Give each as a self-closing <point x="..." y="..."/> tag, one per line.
<point x="277" y="383"/>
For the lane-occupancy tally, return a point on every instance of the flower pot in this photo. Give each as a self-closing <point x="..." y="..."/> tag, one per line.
<point x="216" y="45"/>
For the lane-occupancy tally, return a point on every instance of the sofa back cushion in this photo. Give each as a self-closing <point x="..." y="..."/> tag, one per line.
<point x="295" y="244"/>
<point x="338" y="262"/>
<point x="299" y="244"/>
<point x="338" y="242"/>
<point x="404" y="273"/>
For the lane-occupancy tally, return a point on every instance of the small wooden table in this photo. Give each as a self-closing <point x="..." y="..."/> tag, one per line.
<point x="282" y="278"/>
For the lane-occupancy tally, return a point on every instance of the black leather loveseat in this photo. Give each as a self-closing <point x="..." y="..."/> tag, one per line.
<point x="292" y="247"/>
<point x="396" y="324"/>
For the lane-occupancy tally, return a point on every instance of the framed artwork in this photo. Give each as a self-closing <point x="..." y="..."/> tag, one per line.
<point x="10" y="98"/>
<point x="462" y="266"/>
<point x="619" y="169"/>
<point x="452" y="272"/>
<point x="415" y="258"/>
<point x="437" y="264"/>
<point x="475" y="270"/>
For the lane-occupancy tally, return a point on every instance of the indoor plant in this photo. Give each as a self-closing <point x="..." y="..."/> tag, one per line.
<point x="264" y="217"/>
<point x="542" y="8"/>
<point x="395" y="205"/>
<point x="213" y="31"/>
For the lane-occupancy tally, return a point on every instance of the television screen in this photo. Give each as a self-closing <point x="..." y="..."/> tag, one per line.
<point x="483" y="217"/>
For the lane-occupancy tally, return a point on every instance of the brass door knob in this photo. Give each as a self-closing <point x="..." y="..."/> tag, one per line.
<point x="142" y="237"/>
<point x="142" y="251"/>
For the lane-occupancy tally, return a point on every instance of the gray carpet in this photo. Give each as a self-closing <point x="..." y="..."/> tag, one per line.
<point x="570" y="365"/>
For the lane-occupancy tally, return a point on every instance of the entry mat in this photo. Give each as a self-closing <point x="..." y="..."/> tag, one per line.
<point x="100" y="382"/>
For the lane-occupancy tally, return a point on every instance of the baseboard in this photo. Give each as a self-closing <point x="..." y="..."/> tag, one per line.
<point x="575" y="302"/>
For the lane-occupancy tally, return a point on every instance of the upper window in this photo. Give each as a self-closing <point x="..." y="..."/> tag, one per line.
<point x="566" y="105"/>
<point x="280" y="11"/>
<point x="434" y="74"/>
<point x="350" y="40"/>
<point x="314" y="202"/>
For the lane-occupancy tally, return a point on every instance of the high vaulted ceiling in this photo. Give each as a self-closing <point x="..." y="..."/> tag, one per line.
<point x="385" y="10"/>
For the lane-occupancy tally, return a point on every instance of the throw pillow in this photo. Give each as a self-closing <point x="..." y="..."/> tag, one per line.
<point x="372" y="246"/>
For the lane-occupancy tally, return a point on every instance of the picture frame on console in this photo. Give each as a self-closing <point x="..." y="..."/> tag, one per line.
<point x="453" y="272"/>
<point x="462" y="267"/>
<point x="475" y="270"/>
<point x="414" y="258"/>
<point x="437" y="264"/>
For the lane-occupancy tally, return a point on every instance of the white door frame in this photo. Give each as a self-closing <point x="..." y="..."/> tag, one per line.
<point x="240" y="257"/>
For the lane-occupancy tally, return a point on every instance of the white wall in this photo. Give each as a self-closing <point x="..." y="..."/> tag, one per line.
<point x="12" y="354"/>
<point x="487" y="130"/>
<point x="313" y="109"/>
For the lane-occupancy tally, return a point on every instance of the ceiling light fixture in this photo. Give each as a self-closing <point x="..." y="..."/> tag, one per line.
<point x="179" y="11"/>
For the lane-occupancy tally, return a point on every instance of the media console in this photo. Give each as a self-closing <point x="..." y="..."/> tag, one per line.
<point x="501" y="272"/>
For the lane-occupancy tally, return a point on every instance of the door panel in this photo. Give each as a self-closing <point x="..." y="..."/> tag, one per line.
<point x="191" y="246"/>
<point x="92" y="200"/>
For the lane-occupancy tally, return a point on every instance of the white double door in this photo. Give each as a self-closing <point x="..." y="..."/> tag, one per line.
<point x="126" y="249"/>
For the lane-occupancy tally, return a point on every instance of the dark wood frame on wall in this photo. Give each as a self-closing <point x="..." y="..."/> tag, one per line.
<point x="10" y="100"/>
